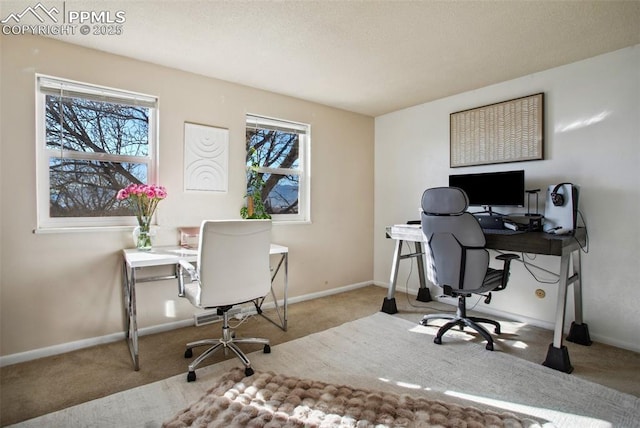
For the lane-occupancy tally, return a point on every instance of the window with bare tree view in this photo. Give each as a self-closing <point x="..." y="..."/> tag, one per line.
<point x="92" y="142"/>
<point x="277" y="168"/>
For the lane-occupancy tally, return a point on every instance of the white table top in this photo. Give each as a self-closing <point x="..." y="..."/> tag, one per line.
<point x="406" y="232"/>
<point x="172" y="254"/>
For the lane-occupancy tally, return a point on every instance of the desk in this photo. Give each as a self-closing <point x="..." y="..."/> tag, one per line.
<point x="567" y="247"/>
<point x="134" y="260"/>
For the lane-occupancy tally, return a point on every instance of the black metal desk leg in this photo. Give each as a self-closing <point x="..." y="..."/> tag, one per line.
<point x="558" y="354"/>
<point x="424" y="295"/>
<point x="579" y="331"/>
<point x="389" y="303"/>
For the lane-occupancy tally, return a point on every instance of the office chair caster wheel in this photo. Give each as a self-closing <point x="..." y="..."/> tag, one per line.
<point x="188" y="353"/>
<point x="424" y="322"/>
<point x="248" y="371"/>
<point x="191" y="376"/>
<point x="266" y="349"/>
<point x="437" y="341"/>
<point x="497" y="330"/>
<point x="489" y="347"/>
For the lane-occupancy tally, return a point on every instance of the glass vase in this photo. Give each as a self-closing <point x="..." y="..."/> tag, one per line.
<point x="143" y="238"/>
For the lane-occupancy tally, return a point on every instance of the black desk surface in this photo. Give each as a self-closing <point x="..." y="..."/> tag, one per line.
<point x="536" y="242"/>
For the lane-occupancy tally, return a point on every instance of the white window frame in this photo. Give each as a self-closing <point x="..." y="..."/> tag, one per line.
<point x="48" y="85"/>
<point x="303" y="171"/>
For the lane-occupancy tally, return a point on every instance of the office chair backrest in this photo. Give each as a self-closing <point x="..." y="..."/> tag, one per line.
<point x="233" y="261"/>
<point x="455" y="255"/>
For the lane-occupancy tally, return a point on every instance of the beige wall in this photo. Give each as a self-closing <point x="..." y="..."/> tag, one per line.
<point x="63" y="287"/>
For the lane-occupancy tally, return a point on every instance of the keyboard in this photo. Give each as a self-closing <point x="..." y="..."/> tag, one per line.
<point x="501" y="231"/>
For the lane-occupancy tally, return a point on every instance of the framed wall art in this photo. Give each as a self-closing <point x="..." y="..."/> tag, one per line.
<point x="508" y="131"/>
<point x="206" y="158"/>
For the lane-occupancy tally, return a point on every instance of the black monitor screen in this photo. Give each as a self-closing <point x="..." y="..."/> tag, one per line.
<point x="492" y="188"/>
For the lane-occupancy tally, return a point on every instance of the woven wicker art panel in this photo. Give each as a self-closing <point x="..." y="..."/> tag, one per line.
<point x="510" y="131"/>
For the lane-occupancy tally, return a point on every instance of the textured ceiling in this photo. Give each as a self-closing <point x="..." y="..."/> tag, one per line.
<point x="370" y="57"/>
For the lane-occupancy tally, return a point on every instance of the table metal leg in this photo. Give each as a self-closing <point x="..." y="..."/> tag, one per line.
<point x="131" y="323"/>
<point x="389" y="303"/>
<point x="286" y="288"/>
<point x="281" y="312"/>
<point x="579" y="331"/>
<point x="557" y="354"/>
<point x="424" y="295"/>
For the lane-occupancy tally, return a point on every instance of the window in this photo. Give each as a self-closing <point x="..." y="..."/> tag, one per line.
<point x="278" y="166"/>
<point x="91" y="142"/>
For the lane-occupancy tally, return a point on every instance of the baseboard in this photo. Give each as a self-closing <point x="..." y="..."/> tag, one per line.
<point x="329" y="292"/>
<point x="62" y="348"/>
<point x="520" y="318"/>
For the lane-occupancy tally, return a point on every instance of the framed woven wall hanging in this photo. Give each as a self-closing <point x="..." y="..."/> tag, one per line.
<point x="508" y="131"/>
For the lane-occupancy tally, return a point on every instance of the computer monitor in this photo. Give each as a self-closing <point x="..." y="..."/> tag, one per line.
<point x="492" y="189"/>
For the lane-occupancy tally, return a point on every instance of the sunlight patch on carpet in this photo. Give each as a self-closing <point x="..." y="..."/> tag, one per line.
<point x="579" y="420"/>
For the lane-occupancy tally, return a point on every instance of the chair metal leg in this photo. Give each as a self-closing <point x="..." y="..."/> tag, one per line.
<point x="205" y="355"/>
<point x="250" y="340"/>
<point x="227" y="341"/>
<point x="461" y="320"/>
<point x="428" y="317"/>
<point x="483" y="332"/>
<point x="445" y="328"/>
<point x="494" y="323"/>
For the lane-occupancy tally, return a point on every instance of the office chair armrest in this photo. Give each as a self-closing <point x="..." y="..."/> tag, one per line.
<point x="506" y="258"/>
<point x="191" y="270"/>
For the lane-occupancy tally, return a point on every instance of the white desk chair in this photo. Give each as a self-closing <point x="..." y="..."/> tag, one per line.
<point x="233" y="268"/>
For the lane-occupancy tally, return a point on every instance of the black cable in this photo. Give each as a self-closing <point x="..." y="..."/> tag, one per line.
<point x="406" y="288"/>
<point x="524" y="256"/>
<point x="480" y="296"/>
<point x="522" y="260"/>
<point x="584" y="249"/>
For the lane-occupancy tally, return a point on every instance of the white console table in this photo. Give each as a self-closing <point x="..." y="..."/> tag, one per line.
<point x="134" y="260"/>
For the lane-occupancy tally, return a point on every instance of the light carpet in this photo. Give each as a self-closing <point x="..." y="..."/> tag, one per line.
<point x="385" y="353"/>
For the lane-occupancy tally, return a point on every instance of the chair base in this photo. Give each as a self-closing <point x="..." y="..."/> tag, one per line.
<point x="461" y="320"/>
<point x="227" y="341"/>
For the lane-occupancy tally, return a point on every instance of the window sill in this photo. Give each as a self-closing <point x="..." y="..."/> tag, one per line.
<point x="82" y="229"/>
<point x="290" y="222"/>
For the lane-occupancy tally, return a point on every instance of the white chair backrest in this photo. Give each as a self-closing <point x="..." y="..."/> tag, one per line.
<point x="233" y="261"/>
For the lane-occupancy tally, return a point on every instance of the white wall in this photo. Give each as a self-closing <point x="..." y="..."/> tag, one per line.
<point x="592" y="139"/>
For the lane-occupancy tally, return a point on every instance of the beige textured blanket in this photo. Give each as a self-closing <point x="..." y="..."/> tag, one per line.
<point x="273" y="400"/>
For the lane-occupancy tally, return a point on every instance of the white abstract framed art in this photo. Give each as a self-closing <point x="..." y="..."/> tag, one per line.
<point x="206" y="158"/>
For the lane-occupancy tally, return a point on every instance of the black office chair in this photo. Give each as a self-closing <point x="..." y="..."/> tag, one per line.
<point x="457" y="260"/>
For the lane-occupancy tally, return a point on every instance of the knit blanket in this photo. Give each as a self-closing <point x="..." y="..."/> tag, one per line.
<point x="267" y="400"/>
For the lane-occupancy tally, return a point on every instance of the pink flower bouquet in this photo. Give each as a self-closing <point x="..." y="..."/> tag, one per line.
<point x="144" y="200"/>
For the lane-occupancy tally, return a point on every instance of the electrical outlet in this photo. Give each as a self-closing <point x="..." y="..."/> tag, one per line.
<point x="540" y="294"/>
